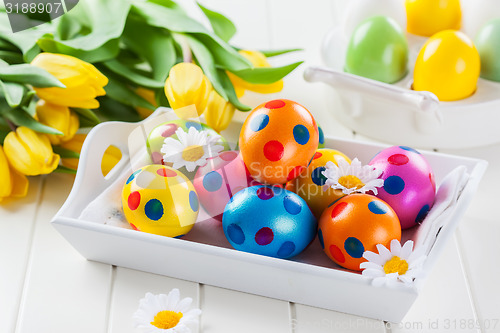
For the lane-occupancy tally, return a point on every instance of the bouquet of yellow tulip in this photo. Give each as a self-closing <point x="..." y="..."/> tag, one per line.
<point x="115" y="60"/>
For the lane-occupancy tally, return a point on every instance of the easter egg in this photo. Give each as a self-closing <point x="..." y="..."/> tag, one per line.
<point x="218" y="180"/>
<point x="321" y="138"/>
<point x="354" y="224"/>
<point x="277" y="141"/>
<point x="448" y="66"/>
<point x="309" y="185"/>
<point x="158" y="135"/>
<point x="409" y="186"/>
<point x="160" y="200"/>
<point x="488" y="46"/>
<point x="378" y="50"/>
<point x="427" y="17"/>
<point x="268" y="220"/>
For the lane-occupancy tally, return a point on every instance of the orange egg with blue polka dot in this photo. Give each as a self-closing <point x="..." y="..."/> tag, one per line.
<point x="354" y="224"/>
<point x="277" y="141"/>
<point x="160" y="200"/>
<point x="310" y="184"/>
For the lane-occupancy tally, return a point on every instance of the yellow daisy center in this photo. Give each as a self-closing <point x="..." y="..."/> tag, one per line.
<point x="192" y="153"/>
<point x="166" y="319"/>
<point x="351" y="181"/>
<point x="396" y="265"/>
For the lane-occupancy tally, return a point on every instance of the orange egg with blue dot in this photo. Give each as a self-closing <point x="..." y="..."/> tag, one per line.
<point x="354" y="224"/>
<point x="277" y="141"/>
<point x="160" y="200"/>
<point x="310" y="184"/>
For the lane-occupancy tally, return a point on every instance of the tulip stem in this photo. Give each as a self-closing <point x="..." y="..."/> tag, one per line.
<point x="12" y="126"/>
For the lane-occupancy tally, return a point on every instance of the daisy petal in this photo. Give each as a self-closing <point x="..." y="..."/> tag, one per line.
<point x="384" y="253"/>
<point x="375" y="273"/>
<point x="368" y="265"/>
<point x="396" y="248"/>
<point x="406" y="250"/>
<point x="373" y="257"/>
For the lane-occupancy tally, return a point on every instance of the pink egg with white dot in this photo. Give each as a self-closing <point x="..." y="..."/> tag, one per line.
<point x="218" y="180"/>
<point x="409" y="186"/>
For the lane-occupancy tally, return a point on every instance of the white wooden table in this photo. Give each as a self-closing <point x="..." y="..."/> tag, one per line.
<point x="47" y="287"/>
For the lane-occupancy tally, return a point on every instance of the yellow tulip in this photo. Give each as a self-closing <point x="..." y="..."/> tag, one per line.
<point x="111" y="157"/>
<point x="58" y="117"/>
<point x="149" y="96"/>
<point x="13" y="183"/>
<point x="187" y="85"/>
<point x="219" y="112"/>
<point x="258" y="59"/>
<point x="83" y="81"/>
<point x="29" y="152"/>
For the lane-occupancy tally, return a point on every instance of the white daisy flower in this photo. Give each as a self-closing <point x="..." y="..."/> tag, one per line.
<point x="352" y="178"/>
<point x="165" y="313"/>
<point x="191" y="149"/>
<point x="400" y="264"/>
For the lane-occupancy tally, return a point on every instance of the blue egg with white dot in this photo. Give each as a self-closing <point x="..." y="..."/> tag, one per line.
<point x="269" y="220"/>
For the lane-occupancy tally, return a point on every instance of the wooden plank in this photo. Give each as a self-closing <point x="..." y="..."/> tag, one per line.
<point x="16" y="221"/>
<point x="131" y="285"/>
<point x="63" y="292"/>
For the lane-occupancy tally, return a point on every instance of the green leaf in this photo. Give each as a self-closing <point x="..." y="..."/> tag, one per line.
<point x="23" y="40"/>
<point x="87" y="117"/>
<point x="266" y="75"/>
<point x="63" y="169"/>
<point x="222" y="26"/>
<point x="3" y="134"/>
<point x="159" y="16"/>
<point x="21" y="118"/>
<point x="106" y="20"/>
<point x="231" y="94"/>
<point x="154" y="44"/>
<point x="114" y="110"/>
<point x="68" y="27"/>
<point x="273" y="53"/>
<point x="169" y="4"/>
<point x="124" y="94"/>
<point x="129" y="74"/>
<point x="28" y="74"/>
<point x="11" y="57"/>
<point x="206" y="62"/>
<point x="5" y="45"/>
<point x="14" y="93"/>
<point x="65" y="153"/>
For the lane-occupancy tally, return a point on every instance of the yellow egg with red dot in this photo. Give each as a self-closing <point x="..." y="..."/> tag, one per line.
<point x="448" y="65"/>
<point x="310" y="184"/>
<point x="160" y="200"/>
<point x="277" y="141"/>
<point x="354" y="224"/>
<point x="427" y="17"/>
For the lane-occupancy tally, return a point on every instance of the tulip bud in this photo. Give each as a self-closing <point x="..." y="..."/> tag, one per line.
<point x="82" y="80"/>
<point x="258" y="59"/>
<point x="187" y="85"/>
<point x="58" y="117"/>
<point x="13" y="184"/>
<point x="149" y="96"/>
<point x="29" y="152"/>
<point x="219" y="112"/>
<point x="111" y="157"/>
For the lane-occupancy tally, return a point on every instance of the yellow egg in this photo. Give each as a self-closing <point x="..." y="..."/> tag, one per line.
<point x="427" y="17"/>
<point x="309" y="185"/>
<point x="448" y="65"/>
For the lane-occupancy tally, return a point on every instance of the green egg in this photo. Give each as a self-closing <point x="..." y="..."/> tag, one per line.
<point x="378" y="50"/>
<point x="488" y="45"/>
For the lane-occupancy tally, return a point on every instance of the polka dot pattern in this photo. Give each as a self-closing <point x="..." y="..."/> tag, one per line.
<point x="321" y="136"/>
<point x="157" y="158"/>
<point x="275" y="104"/>
<point x="286" y="249"/>
<point x="321" y="240"/>
<point x="295" y="172"/>
<point x="196" y="125"/>
<point x="166" y="173"/>
<point x="422" y="213"/>
<point x="264" y="236"/>
<point x="154" y="209"/>
<point x="212" y="181"/>
<point x="394" y="185"/>
<point x="377" y="207"/>
<point x="398" y="159"/>
<point x="134" y="200"/>
<point x="301" y="134"/>
<point x="274" y="150"/>
<point x="132" y="176"/>
<point x="228" y="156"/>
<point x="235" y="234"/>
<point x="265" y="193"/>
<point x="292" y="205"/>
<point x="354" y="247"/>
<point x="317" y="176"/>
<point x="337" y="254"/>
<point x="317" y="155"/>
<point x="169" y="130"/>
<point x="337" y="210"/>
<point x="259" y="122"/>
<point x="409" y="149"/>
<point x="193" y="201"/>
